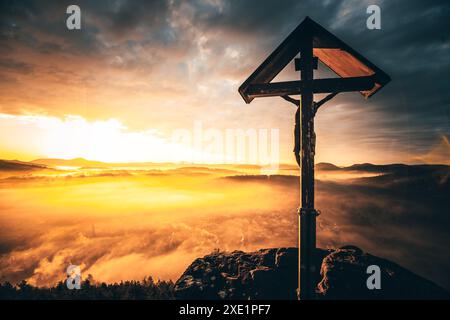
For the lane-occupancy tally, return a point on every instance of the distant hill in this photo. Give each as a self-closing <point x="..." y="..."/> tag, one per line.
<point x="77" y="162"/>
<point x="14" y="165"/>
<point x="326" y="166"/>
<point x="368" y="167"/>
<point x="398" y="169"/>
<point x="395" y="168"/>
<point x="84" y="163"/>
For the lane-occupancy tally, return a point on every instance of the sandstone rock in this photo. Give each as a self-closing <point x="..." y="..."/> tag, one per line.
<point x="344" y="276"/>
<point x="272" y="274"/>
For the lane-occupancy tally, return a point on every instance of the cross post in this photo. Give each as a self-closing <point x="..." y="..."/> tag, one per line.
<point x="307" y="213"/>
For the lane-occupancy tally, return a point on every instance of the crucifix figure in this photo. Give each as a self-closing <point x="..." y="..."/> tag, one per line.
<point x="355" y="73"/>
<point x="316" y="106"/>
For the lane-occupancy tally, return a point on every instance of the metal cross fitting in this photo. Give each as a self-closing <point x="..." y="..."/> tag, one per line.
<point x="312" y="211"/>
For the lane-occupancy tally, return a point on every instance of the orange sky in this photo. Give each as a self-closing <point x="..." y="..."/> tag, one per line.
<point x="119" y="94"/>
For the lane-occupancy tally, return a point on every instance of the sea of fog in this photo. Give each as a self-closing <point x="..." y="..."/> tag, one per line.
<point x="130" y="223"/>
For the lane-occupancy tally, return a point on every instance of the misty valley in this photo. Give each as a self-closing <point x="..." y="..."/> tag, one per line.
<point x="131" y="221"/>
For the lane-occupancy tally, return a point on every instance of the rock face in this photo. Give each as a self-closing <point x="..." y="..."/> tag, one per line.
<point x="272" y="274"/>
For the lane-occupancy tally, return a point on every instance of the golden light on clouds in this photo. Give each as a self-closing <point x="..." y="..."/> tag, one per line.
<point x="74" y="136"/>
<point x="122" y="224"/>
<point x="111" y="141"/>
<point x="439" y="153"/>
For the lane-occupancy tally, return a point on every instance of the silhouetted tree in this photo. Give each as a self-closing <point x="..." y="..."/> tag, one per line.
<point x="147" y="289"/>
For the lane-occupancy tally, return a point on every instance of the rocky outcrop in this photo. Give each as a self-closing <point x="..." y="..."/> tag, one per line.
<point x="272" y="274"/>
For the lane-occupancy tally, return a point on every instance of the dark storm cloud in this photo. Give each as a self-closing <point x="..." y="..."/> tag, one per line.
<point x="126" y="16"/>
<point x="414" y="48"/>
<point x="17" y="66"/>
<point x="40" y="25"/>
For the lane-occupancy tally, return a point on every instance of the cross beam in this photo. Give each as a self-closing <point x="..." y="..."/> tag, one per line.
<point x="316" y="86"/>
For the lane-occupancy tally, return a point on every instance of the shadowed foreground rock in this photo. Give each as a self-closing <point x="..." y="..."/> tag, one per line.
<point x="272" y="274"/>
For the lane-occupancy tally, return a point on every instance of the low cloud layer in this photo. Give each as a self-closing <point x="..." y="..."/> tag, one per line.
<point x="134" y="225"/>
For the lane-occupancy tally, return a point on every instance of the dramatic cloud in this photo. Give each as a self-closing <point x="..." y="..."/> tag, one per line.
<point x="163" y="64"/>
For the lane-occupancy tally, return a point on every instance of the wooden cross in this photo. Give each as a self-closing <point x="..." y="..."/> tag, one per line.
<point x="355" y="73"/>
